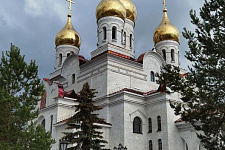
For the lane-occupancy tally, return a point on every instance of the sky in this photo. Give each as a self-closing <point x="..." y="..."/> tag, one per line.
<point x="32" y="26"/>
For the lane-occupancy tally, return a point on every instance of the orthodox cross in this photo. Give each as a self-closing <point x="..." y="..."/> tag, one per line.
<point x="164" y="4"/>
<point x="70" y="5"/>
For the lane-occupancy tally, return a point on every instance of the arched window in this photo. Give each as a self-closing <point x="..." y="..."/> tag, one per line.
<point x="150" y="145"/>
<point x="150" y="125"/>
<point x="159" y="123"/>
<point x="122" y="36"/>
<point x="114" y="33"/>
<point x="68" y="54"/>
<point x="160" y="144"/>
<point x="164" y="54"/>
<point x="51" y="123"/>
<point x="104" y="33"/>
<point x="172" y="55"/>
<point x="125" y="38"/>
<point x="131" y="40"/>
<point x="152" y="76"/>
<point x="137" y="125"/>
<point x="60" y="59"/>
<point x="73" y="78"/>
<point x="43" y="123"/>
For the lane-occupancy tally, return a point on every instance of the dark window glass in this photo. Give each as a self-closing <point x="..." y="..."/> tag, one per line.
<point x="114" y="33"/>
<point x="68" y="54"/>
<point x="164" y="54"/>
<point x="104" y="33"/>
<point x="160" y="144"/>
<point x="152" y="76"/>
<point x="159" y="123"/>
<point x="150" y="125"/>
<point x="73" y="78"/>
<point x="43" y="123"/>
<point x="130" y="40"/>
<point x="172" y="54"/>
<point x="60" y="59"/>
<point x="137" y="125"/>
<point x="122" y="36"/>
<point x="51" y="123"/>
<point x="125" y="37"/>
<point x="150" y="145"/>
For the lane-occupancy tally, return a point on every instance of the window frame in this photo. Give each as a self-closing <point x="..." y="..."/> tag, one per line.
<point x="149" y="125"/>
<point x="137" y="126"/>
<point x="159" y="123"/>
<point x="60" y="59"/>
<point x="114" y="33"/>
<point x="104" y="33"/>
<point x="150" y="146"/>
<point x="164" y="54"/>
<point x="73" y="78"/>
<point x="160" y="144"/>
<point x="43" y="123"/>
<point x="152" y="76"/>
<point x="172" y="55"/>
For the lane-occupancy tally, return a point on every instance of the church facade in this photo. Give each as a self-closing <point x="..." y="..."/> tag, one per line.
<point x="137" y="109"/>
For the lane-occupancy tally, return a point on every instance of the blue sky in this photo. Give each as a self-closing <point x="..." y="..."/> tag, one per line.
<point x="33" y="24"/>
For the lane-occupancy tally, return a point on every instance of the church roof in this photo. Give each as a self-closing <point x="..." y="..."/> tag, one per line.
<point x="65" y="120"/>
<point x="161" y="89"/>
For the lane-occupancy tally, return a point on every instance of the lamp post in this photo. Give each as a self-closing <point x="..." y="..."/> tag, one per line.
<point x="120" y="147"/>
<point x="63" y="144"/>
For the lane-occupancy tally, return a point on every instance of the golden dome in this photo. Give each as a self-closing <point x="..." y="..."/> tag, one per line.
<point x="166" y="30"/>
<point x="68" y="35"/>
<point x="131" y="11"/>
<point x="110" y="8"/>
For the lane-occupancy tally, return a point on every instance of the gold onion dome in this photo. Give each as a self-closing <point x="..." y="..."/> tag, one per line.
<point x="68" y="35"/>
<point x="131" y="11"/>
<point x="110" y="8"/>
<point x="166" y="30"/>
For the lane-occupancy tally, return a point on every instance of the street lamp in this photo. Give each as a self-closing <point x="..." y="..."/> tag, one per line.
<point x="63" y="144"/>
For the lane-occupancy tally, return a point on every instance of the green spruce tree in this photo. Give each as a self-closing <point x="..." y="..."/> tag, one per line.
<point x="87" y="135"/>
<point x="203" y="89"/>
<point x="20" y="89"/>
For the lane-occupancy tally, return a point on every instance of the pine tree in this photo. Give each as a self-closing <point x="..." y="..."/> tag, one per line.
<point x="20" y="89"/>
<point x="203" y="89"/>
<point x="87" y="135"/>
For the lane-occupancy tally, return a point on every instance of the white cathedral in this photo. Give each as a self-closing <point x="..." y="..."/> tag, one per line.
<point x="137" y="109"/>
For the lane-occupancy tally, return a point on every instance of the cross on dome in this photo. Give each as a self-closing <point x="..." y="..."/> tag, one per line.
<point x="164" y="4"/>
<point x="70" y="5"/>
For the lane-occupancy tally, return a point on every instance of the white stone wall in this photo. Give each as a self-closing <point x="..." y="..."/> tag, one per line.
<point x="109" y="74"/>
<point x="129" y="29"/>
<point x="64" y="50"/>
<point x="168" y="45"/>
<point x="109" y="22"/>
